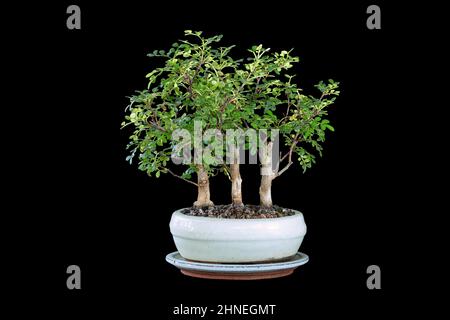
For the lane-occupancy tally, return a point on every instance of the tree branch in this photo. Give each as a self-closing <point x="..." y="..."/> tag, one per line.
<point x="279" y="173"/>
<point x="222" y="109"/>
<point x="289" y="154"/>
<point x="156" y="126"/>
<point x="289" y="106"/>
<point x="257" y="90"/>
<point x="227" y="171"/>
<point x="189" y="87"/>
<point x="190" y="80"/>
<point x="180" y="177"/>
<point x="283" y="157"/>
<point x="286" y="115"/>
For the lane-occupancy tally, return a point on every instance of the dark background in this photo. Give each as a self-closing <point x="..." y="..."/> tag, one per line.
<point x="86" y="205"/>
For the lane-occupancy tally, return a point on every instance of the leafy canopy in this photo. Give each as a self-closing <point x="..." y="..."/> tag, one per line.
<point x="200" y="81"/>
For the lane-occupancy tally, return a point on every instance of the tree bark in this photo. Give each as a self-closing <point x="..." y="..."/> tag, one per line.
<point x="203" y="188"/>
<point x="267" y="176"/>
<point x="236" y="185"/>
<point x="236" y="180"/>
<point x="265" y="191"/>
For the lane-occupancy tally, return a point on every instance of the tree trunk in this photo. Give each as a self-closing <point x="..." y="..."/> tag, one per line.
<point x="236" y="180"/>
<point x="236" y="185"/>
<point x="267" y="175"/>
<point x="265" y="191"/>
<point x="203" y="188"/>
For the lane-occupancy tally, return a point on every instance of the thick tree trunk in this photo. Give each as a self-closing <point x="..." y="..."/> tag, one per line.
<point x="203" y="188"/>
<point x="236" y="185"/>
<point x="265" y="191"/>
<point x="267" y="175"/>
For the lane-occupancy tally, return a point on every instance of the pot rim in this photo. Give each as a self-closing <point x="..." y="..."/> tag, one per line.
<point x="294" y="216"/>
<point x="224" y="229"/>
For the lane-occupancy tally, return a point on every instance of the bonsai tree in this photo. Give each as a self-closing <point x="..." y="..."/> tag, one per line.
<point x="200" y="87"/>
<point x="271" y="100"/>
<point x="301" y="122"/>
<point x="197" y="84"/>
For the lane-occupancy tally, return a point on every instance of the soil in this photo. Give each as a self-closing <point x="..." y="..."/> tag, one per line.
<point x="239" y="212"/>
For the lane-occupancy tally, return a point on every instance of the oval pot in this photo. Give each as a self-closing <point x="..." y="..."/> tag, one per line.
<point x="237" y="240"/>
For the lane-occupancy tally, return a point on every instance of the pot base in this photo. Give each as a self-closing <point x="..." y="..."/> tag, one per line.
<point x="237" y="276"/>
<point x="240" y="271"/>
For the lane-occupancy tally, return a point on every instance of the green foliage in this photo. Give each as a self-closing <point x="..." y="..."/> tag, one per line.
<point x="199" y="80"/>
<point x="304" y="120"/>
<point x="274" y="101"/>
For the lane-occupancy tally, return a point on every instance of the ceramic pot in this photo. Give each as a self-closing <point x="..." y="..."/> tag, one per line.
<point x="237" y="240"/>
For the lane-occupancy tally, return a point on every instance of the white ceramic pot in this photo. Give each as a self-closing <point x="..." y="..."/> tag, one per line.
<point x="237" y="240"/>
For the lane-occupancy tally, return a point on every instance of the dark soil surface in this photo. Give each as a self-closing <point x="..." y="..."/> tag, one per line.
<point x="239" y="212"/>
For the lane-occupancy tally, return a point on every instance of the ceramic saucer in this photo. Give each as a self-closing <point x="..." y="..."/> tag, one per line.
<point x="237" y="271"/>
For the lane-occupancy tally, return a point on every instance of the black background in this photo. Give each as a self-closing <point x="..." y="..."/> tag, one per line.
<point x="86" y="205"/>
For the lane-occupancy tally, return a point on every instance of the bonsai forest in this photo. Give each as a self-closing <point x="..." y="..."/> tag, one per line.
<point x="205" y="113"/>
